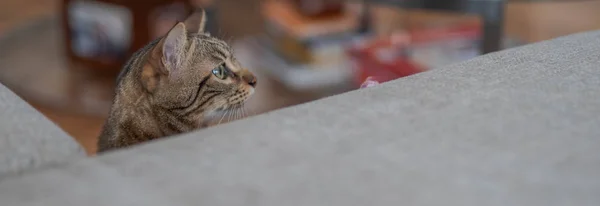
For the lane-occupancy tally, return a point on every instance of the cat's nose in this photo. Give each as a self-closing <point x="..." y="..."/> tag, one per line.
<point x="250" y="79"/>
<point x="252" y="83"/>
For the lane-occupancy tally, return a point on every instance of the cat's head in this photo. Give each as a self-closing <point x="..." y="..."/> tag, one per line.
<point x="192" y="73"/>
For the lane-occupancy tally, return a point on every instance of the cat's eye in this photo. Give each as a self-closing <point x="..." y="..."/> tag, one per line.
<point x="220" y="72"/>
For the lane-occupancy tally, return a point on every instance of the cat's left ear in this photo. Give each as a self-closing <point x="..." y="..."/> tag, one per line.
<point x="196" y="22"/>
<point x="173" y="48"/>
<point x="167" y="57"/>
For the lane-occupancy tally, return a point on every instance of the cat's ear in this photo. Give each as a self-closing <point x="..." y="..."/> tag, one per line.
<point x="196" y="22"/>
<point x="173" y="47"/>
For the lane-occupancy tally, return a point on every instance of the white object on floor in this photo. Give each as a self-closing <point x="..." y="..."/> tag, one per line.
<point x="252" y="51"/>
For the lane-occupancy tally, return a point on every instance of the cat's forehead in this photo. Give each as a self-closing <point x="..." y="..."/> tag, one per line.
<point x="216" y="49"/>
<point x="213" y="46"/>
<point x="208" y="40"/>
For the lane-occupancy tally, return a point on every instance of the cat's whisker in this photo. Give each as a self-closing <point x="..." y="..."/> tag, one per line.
<point x="227" y="116"/>
<point x="230" y="114"/>
<point x="235" y="114"/>
<point x="230" y="39"/>
<point x="226" y="111"/>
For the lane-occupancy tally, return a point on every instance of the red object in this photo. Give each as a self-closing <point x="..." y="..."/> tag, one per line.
<point x="369" y="82"/>
<point x="319" y="8"/>
<point x="441" y="33"/>
<point x="371" y="64"/>
<point x="383" y="72"/>
<point x="382" y="59"/>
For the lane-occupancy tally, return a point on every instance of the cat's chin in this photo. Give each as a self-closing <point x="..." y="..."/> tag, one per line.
<point x="228" y="109"/>
<point x="224" y="114"/>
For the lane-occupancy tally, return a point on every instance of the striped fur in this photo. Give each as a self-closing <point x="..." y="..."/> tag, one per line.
<point x="168" y="87"/>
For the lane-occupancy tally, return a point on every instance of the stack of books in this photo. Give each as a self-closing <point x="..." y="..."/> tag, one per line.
<point x="313" y="40"/>
<point x="305" y="51"/>
<point x="414" y="50"/>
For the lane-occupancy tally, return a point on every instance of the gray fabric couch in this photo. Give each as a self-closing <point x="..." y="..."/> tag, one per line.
<point x="516" y="127"/>
<point x="28" y="140"/>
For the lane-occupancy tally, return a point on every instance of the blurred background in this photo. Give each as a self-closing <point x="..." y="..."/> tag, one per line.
<point x="62" y="56"/>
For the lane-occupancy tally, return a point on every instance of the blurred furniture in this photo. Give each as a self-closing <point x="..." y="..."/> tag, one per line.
<point x="306" y="52"/>
<point x="110" y="25"/>
<point x="298" y="74"/>
<point x="35" y="66"/>
<point x="316" y="8"/>
<point x="490" y="11"/>
<point x="516" y="127"/>
<point x="537" y="20"/>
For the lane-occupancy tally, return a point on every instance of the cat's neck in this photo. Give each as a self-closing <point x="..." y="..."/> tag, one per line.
<point x="137" y="109"/>
<point x="130" y="121"/>
<point x="141" y="115"/>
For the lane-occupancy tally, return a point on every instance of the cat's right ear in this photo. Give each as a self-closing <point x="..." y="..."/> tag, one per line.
<point x="173" y="48"/>
<point x="196" y="22"/>
<point x="167" y="58"/>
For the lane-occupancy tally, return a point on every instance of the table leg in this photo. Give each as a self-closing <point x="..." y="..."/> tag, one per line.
<point x="492" y="14"/>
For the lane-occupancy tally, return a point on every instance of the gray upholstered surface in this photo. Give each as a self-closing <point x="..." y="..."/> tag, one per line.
<point x="518" y="127"/>
<point x="28" y="140"/>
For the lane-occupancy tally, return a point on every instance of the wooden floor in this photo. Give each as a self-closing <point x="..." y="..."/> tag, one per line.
<point x="529" y="21"/>
<point x="84" y="128"/>
<point x="17" y="13"/>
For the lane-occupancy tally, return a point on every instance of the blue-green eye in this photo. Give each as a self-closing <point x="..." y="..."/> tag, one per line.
<point x="220" y="72"/>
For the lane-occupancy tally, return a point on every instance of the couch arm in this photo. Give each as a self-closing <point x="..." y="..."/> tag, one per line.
<point x="29" y="140"/>
<point x="516" y="127"/>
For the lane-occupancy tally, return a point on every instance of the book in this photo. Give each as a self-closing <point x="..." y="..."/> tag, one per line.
<point x="305" y="39"/>
<point x="407" y="52"/>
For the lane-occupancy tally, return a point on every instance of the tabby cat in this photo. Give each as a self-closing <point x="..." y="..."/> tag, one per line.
<point x="175" y="84"/>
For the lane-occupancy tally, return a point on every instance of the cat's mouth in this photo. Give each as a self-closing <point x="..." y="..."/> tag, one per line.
<point x="230" y="107"/>
<point x="234" y="104"/>
<point x="228" y="113"/>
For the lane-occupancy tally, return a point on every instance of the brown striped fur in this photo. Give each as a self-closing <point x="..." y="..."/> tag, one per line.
<point x="168" y="87"/>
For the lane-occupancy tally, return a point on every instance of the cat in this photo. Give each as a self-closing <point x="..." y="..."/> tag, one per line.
<point x="175" y="84"/>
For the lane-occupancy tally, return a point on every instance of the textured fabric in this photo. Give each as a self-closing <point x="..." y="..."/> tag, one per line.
<point x="28" y="140"/>
<point x="517" y="127"/>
